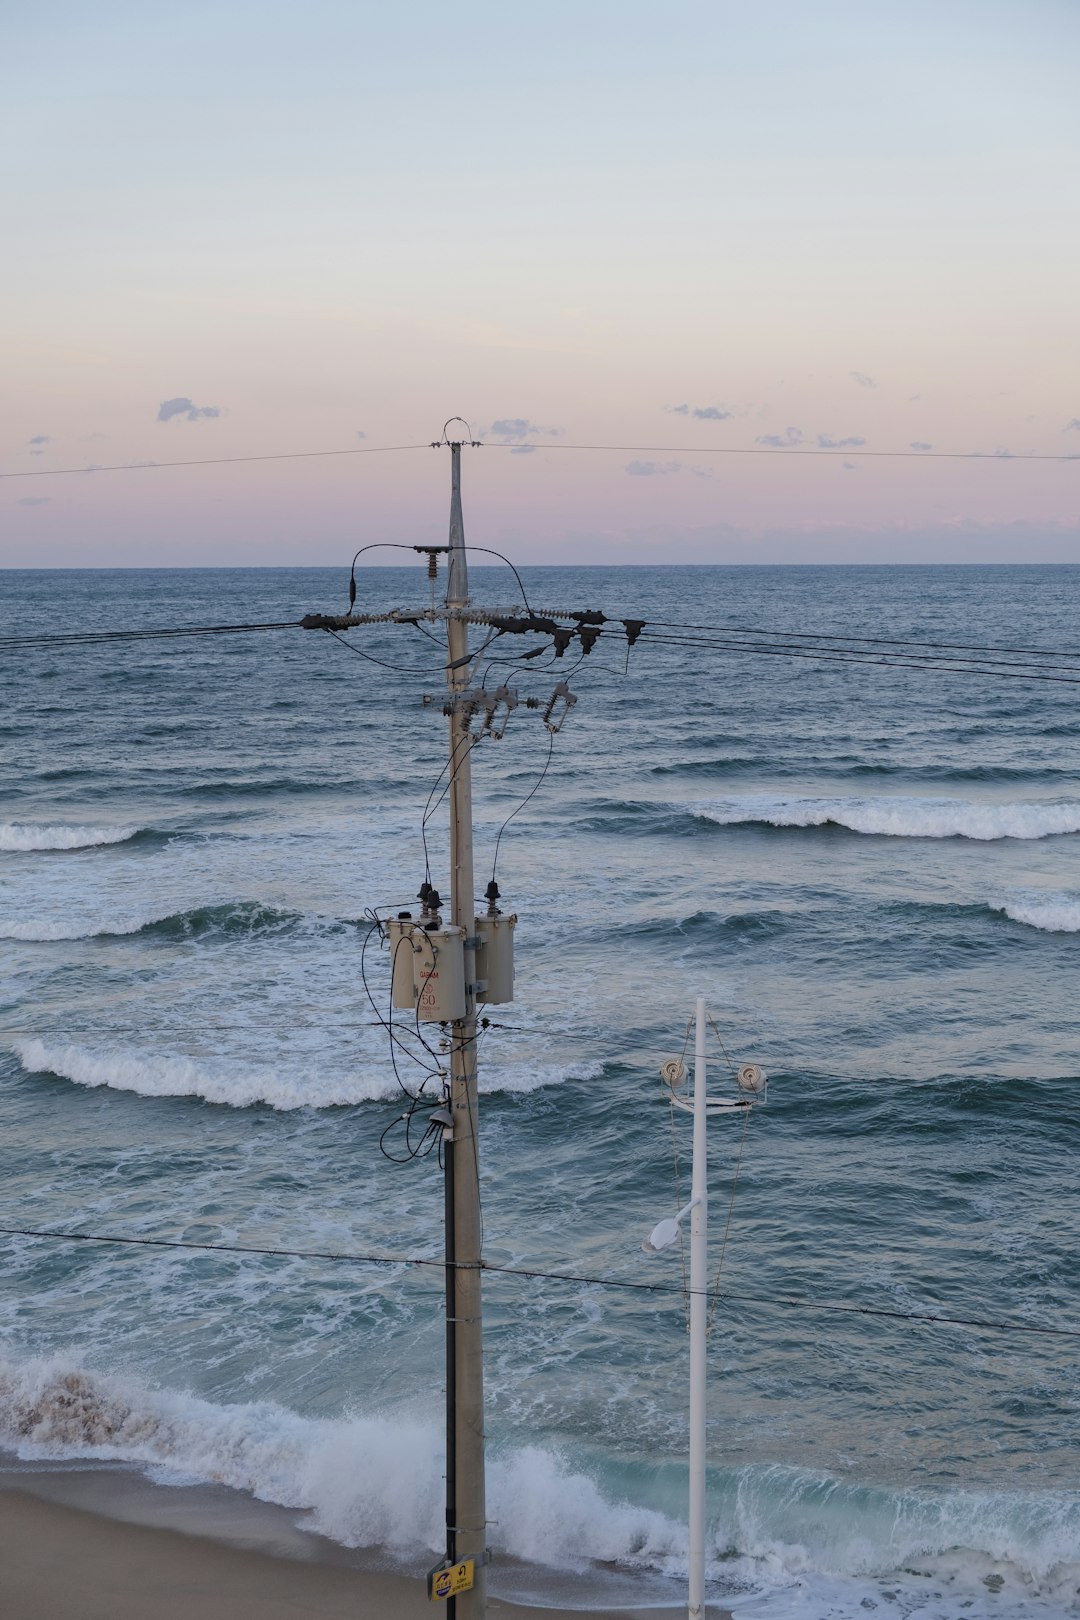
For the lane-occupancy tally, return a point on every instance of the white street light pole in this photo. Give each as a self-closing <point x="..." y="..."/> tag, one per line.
<point x="751" y="1082"/>
<point x="699" y="1278"/>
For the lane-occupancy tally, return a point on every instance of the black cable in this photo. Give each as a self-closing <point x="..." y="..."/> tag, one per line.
<point x="841" y="635"/>
<point x="972" y="662"/>
<point x="534" y="789"/>
<point x="84" y="637"/>
<point x="787" y="1302"/>
<point x="856" y="659"/>
<point x="399" y="669"/>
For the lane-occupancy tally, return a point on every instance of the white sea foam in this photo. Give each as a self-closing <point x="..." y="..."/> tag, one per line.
<point x="238" y="1086"/>
<point x="900" y="817"/>
<point x="41" y="932"/>
<point x="27" y="836"/>
<point x="802" y="1544"/>
<point x="1055" y="913"/>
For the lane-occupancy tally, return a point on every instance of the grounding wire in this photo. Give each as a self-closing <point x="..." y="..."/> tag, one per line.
<point x="785" y="1301"/>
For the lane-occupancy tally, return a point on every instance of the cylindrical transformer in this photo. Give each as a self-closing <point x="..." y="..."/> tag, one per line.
<point x="399" y="932"/>
<point x="495" y="959"/>
<point x="439" y="974"/>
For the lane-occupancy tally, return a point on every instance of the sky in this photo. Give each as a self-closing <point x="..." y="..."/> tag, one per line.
<point x="244" y="230"/>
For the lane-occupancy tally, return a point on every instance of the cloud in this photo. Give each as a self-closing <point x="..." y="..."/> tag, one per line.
<point x="509" y="428"/>
<point x="782" y="441"/>
<point x="920" y="444"/>
<point x="827" y="442"/>
<point x="184" y="407"/>
<point x="862" y="379"/>
<point x="40" y="438"/>
<point x="360" y="435"/>
<point x="33" y="500"/>
<point x="37" y="444"/>
<point x="523" y="450"/>
<point x="1070" y="427"/>
<point x="850" y="466"/>
<point x="704" y="413"/>
<point x="652" y="469"/>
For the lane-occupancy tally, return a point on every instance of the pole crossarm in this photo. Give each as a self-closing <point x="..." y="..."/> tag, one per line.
<point x="509" y="622"/>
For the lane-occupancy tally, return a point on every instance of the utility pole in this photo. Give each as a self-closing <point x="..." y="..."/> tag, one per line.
<point x="438" y="974"/>
<point x="466" y="1526"/>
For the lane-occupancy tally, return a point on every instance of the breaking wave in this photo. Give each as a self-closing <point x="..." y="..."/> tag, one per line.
<point x="26" y="836"/>
<point x="898" y="817"/>
<point x="226" y="1083"/>
<point x="790" y="1537"/>
<point x="240" y="919"/>
<point x="1055" y="913"/>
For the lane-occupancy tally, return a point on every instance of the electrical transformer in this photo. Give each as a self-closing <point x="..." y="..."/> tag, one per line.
<point x="427" y="970"/>
<point x="495" y="959"/>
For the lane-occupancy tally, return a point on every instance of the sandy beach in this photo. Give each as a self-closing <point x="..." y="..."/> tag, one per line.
<point x="65" y="1563"/>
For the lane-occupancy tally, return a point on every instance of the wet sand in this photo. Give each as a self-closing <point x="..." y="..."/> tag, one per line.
<point x="64" y="1563"/>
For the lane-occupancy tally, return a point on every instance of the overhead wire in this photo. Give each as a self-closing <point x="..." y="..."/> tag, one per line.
<point x="536" y="1273"/>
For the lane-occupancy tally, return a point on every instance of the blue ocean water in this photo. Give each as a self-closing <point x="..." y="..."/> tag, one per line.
<point x="872" y="874"/>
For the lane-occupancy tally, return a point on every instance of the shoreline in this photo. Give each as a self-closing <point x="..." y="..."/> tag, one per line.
<point x="111" y="1545"/>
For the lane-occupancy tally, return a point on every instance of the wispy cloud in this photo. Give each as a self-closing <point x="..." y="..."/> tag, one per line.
<point x="510" y="428"/>
<point x="703" y="413"/>
<point x="850" y="466"/>
<point x="919" y="444"/>
<point x="782" y="441"/>
<point x="827" y="442"/>
<point x="360" y="435"/>
<point x="862" y="379"/>
<point x="652" y="469"/>
<point x="37" y="444"/>
<point x="523" y="450"/>
<point x="1073" y="426"/>
<point x="33" y="500"/>
<point x="170" y="408"/>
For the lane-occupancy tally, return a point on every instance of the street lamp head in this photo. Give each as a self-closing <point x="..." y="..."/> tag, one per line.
<point x="662" y="1236"/>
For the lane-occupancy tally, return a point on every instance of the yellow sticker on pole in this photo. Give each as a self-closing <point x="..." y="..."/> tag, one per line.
<point x="447" y="1580"/>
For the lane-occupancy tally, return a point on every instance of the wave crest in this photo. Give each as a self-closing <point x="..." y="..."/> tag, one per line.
<point x="899" y="817"/>
<point x="24" y="837"/>
<point x="233" y="1087"/>
<point x="1054" y="913"/>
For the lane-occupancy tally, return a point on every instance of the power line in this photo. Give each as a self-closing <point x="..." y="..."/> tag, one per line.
<point x="795" y="450"/>
<point x="617" y="449"/>
<point x="78" y="638"/>
<point x="852" y="657"/>
<point x="533" y="1273"/>
<point x="841" y="635"/>
<point x="216" y="461"/>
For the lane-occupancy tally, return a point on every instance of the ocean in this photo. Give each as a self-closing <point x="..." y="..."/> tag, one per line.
<point x="873" y="876"/>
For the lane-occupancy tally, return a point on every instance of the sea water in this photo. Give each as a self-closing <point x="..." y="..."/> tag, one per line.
<point x="872" y="874"/>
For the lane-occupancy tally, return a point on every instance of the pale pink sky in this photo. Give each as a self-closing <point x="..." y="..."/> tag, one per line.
<point x="809" y="224"/>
